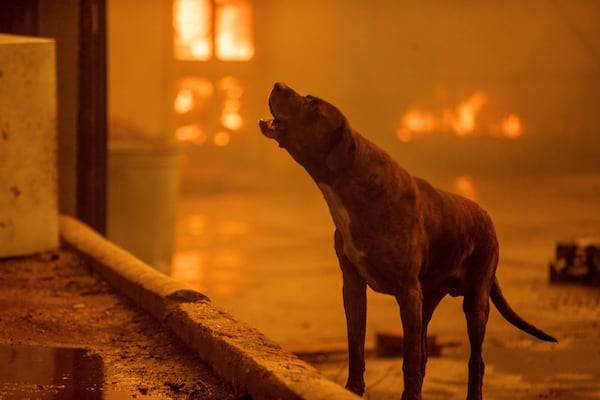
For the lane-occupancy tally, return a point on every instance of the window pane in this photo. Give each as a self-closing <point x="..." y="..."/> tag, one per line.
<point x="192" y="26"/>
<point x="233" y="30"/>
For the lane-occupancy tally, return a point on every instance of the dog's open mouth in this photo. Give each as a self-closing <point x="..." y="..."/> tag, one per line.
<point x="283" y="104"/>
<point x="268" y="127"/>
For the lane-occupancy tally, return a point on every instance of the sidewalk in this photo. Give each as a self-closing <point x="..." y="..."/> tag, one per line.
<point x="66" y="334"/>
<point x="155" y="336"/>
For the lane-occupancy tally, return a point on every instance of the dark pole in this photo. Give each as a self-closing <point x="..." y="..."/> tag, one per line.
<point x="91" y="130"/>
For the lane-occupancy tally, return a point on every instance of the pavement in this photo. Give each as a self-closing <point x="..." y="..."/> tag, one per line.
<point x="269" y="269"/>
<point x="267" y="257"/>
<point x="235" y="351"/>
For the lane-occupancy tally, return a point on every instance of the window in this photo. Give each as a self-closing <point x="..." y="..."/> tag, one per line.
<point x="204" y="29"/>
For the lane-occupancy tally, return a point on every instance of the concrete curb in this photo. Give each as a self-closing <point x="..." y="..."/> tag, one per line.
<point x="240" y="354"/>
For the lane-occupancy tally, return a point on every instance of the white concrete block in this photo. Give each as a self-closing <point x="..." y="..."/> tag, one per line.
<point x="28" y="173"/>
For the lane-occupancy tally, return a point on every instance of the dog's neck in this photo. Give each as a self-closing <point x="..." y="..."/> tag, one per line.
<point x="356" y="176"/>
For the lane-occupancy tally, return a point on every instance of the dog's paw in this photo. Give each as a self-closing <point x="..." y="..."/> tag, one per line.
<point x="357" y="388"/>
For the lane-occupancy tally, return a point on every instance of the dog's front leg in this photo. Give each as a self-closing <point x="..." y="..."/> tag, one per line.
<point x="411" y="306"/>
<point x="355" y="306"/>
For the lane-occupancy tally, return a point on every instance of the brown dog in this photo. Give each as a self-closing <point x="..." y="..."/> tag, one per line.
<point x="395" y="233"/>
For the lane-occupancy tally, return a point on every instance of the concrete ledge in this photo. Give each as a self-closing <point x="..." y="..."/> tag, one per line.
<point x="240" y="354"/>
<point x="150" y="289"/>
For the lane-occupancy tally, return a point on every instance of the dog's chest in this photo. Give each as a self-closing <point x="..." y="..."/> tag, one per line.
<point x="341" y="219"/>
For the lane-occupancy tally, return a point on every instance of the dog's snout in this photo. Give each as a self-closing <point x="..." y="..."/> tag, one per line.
<point x="280" y="86"/>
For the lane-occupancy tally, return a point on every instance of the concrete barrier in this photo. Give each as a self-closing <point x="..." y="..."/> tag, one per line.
<point x="237" y="352"/>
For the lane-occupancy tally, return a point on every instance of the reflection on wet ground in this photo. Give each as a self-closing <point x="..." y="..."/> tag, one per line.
<point x="38" y="372"/>
<point x="268" y="258"/>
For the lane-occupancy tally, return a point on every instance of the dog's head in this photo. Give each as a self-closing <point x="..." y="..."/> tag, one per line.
<point x="313" y="131"/>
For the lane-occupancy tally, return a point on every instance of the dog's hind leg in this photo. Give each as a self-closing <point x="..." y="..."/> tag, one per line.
<point x="430" y="302"/>
<point x="411" y="312"/>
<point x="476" y="308"/>
<point x="481" y="266"/>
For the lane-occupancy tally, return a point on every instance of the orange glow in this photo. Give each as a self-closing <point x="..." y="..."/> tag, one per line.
<point x="212" y="273"/>
<point x="415" y="122"/>
<point x="222" y="139"/>
<point x="193" y="93"/>
<point x="233" y="34"/>
<point x="195" y="36"/>
<point x="190" y="267"/>
<point x="230" y="228"/>
<point x="191" y="133"/>
<point x="184" y="102"/>
<point x="462" y="121"/>
<point x="196" y="225"/>
<point x="200" y="104"/>
<point x="228" y="259"/>
<point x="192" y="26"/>
<point x="511" y="127"/>
<point x="464" y="186"/>
<point x="232" y="121"/>
<point x="230" y="114"/>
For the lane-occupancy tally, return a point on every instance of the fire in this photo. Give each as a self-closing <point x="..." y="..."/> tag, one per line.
<point x="192" y="26"/>
<point x="511" y="127"/>
<point x="196" y="38"/>
<point x="192" y="93"/>
<point x="415" y="122"/>
<point x="230" y="113"/>
<point x="184" y="102"/>
<point x="461" y="121"/>
<point x="195" y="101"/>
<point x="233" y="33"/>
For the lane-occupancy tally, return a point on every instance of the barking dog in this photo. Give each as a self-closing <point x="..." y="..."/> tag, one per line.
<point x="395" y="233"/>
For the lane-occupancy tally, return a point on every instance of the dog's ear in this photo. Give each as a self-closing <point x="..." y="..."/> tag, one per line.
<point x="342" y="152"/>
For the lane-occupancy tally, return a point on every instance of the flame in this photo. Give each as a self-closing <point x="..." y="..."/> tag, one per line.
<point x="233" y="33"/>
<point x="192" y="26"/>
<point x="230" y="114"/>
<point x="232" y="121"/>
<point x="193" y="30"/>
<point x="461" y="121"/>
<point x="511" y="127"/>
<point x="184" y="101"/>
<point x="193" y="93"/>
<point x="194" y="103"/>
<point x="415" y="122"/>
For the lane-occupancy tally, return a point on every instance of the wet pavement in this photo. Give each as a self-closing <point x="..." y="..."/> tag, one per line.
<point x="44" y="372"/>
<point x="267" y="257"/>
<point x="65" y="334"/>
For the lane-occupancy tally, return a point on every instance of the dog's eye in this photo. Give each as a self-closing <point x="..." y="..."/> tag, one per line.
<point x="311" y="100"/>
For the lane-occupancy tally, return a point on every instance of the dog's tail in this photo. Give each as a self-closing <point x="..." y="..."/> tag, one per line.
<point x="511" y="316"/>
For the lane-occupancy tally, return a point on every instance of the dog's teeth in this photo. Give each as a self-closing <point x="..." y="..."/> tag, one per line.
<point x="270" y="123"/>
